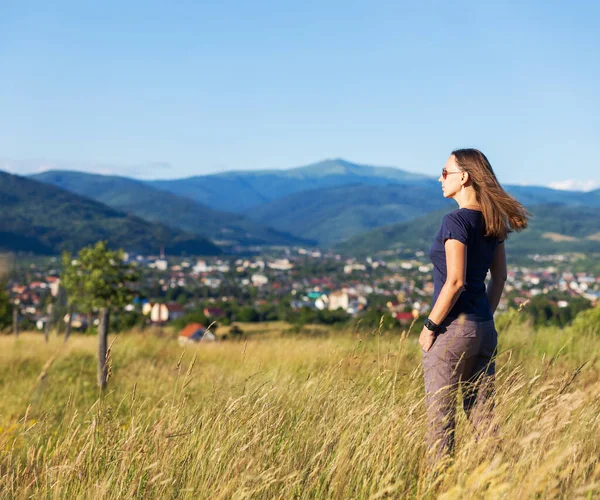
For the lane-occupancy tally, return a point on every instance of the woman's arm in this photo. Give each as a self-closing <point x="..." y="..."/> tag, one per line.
<point x="456" y="272"/>
<point x="498" y="276"/>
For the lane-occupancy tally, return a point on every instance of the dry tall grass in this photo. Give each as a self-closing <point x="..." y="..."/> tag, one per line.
<point x="339" y="417"/>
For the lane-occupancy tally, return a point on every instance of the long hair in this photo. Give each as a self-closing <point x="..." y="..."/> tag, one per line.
<point x="502" y="213"/>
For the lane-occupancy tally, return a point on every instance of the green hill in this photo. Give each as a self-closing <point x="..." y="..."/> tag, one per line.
<point x="143" y="200"/>
<point x="40" y="218"/>
<point x="553" y="229"/>
<point x="331" y="215"/>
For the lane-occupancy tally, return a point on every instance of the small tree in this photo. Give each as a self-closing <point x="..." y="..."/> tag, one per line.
<point x="98" y="279"/>
<point x="236" y="331"/>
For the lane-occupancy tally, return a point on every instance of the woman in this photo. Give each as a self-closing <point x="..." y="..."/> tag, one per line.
<point x="459" y="339"/>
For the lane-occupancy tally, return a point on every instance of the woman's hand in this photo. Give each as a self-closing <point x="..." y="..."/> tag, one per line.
<point x="426" y="339"/>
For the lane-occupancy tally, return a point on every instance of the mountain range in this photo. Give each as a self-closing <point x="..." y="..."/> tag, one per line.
<point x="154" y="204"/>
<point x="237" y="191"/>
<point x="43" y="219"/>
<point x="333" y="203"/>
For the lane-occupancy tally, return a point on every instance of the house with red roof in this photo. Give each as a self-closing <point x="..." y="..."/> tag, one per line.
<point x="195" y="332"/>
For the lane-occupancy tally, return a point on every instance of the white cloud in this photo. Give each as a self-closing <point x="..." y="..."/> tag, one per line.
<point x="575" y="185"/>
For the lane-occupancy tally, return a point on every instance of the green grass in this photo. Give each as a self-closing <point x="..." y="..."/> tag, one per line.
<point x="288" y="417"/>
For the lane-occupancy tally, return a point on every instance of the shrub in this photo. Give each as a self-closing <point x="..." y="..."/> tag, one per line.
<point x="588" y="322"/>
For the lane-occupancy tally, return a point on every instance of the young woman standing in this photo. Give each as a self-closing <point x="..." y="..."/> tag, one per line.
<point x="459" y="339"/>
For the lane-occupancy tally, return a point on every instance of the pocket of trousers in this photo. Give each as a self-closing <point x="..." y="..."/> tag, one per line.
<point x="467" y="330"/>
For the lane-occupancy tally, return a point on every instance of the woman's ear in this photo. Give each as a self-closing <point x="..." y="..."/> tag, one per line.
<point x="464" y="178"/>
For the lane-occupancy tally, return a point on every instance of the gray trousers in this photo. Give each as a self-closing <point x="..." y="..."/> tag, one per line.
<point x="462" y="354"/>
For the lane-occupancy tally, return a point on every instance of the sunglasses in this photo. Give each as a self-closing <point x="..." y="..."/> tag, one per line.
<point x="445" y="173"/>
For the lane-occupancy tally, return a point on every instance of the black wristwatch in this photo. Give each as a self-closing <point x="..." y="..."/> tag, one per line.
<point x="430" y="325"/>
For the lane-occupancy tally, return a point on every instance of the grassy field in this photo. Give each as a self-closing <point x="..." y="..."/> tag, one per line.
<point x="289" y="417"/>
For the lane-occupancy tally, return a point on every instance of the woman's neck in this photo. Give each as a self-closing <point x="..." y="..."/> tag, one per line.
<point x="467" y="199"/>
<point x="474" y="204"/>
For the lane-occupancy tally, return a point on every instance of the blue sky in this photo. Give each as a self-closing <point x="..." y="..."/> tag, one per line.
<point x="173" y="89"/>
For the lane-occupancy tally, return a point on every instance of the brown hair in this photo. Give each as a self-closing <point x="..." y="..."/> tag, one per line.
<point x="502" y="213"/>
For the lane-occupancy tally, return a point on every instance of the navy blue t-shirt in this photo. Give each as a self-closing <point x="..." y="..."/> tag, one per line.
<point x="466" y="226"/>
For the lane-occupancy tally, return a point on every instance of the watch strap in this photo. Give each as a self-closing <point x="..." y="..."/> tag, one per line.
<point x="430" y="325"/>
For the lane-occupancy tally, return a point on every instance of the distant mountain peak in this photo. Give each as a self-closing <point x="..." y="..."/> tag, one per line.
<point x="341" y="166"/>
